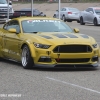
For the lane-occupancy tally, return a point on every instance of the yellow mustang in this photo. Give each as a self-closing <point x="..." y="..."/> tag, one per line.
<point x="47" y="42"/>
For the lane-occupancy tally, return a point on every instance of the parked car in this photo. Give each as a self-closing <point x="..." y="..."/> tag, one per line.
<point x="27" y="12"/>
<point x="47" y="42"/>
<point x="91" y="15"/>
<point x="68" y="14"/>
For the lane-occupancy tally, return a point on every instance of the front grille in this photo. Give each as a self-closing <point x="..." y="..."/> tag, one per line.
<point x="79" y="60"/>
<point x="72" y="49"/>
<point x="3" y="10"/>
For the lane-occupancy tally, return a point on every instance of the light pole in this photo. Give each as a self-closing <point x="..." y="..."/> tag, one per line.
<point x="59" y="8"/>
<point x="8" y="11"/>
<point x="32" y="8"/>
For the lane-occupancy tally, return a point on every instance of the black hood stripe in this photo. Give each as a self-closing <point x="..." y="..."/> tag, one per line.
<point x="71" y="35"/>
<point x="47" y="37"/>
<point x="84" y="36"/>
<point x="59" y="35"/>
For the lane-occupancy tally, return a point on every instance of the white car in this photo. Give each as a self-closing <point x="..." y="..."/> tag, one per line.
<point x="4" y="10"/>
<point x="68" y="14"/>
<point x="91" y="15"/>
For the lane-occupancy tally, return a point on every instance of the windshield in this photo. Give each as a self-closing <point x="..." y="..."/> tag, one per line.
<point x="3" y="2"/>
<point x="34" y="26"/>
<point x="97" y="11"/>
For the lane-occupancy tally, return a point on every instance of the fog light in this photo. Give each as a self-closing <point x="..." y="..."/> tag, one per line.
<point x="95" y="58"/>
<point x="44" y="59"/>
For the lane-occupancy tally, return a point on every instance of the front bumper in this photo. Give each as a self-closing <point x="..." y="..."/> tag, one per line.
<point x="74" y="18"/>
<point x="66" y="58"/>
<point x="2" y="16"/>
<point x="68" y="65"/>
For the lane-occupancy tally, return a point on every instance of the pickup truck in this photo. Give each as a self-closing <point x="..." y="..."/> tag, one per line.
<point x="4" y="10"/>
<point x="91" y="16"/>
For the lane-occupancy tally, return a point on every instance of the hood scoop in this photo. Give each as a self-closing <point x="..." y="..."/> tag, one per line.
<point x="63" y="35"/>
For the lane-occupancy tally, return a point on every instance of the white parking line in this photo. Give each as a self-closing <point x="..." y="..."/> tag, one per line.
<point x="91" y="90"/>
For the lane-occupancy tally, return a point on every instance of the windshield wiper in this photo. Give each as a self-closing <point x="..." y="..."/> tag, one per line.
<point x="31" y="32"/>
<point x="34" y="32"/>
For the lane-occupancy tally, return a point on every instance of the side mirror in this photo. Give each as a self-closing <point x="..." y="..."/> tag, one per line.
<point x="76" y="30"/>
<point x="56" y="10"/>
<point x="12" y="30"/>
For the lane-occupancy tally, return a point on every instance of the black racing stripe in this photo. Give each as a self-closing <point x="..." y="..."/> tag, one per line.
<point x="71" y="35"/>
<point x="60" y="35"/>
<point x="47" y="37"/>
<point x="84" y="36"/>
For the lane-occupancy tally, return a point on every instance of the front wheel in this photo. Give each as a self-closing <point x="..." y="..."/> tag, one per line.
<point x="26" y="59"/>
<point x="81" y="21"/>
<point x="63" y="18"/>
<point x="95" y="22"/>
<point x="54" y="16"/>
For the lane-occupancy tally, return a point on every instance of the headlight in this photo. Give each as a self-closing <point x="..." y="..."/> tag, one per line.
<point x="10" y="9"/>
<point x="94" y="45"/>
<point x="43" y="46"/>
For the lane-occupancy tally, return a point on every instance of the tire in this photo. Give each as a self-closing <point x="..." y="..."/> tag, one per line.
<point x="54" y="16"/>
<point x="1" y="59"/>
<point x="81" y="21"/>
<point x="63" y="18"/>
<point x="95" y="22"/>
<point x="26" y="59"/>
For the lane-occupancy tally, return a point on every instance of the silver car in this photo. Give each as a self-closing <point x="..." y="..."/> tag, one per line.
<point x="91" y="15"/>
<point x="68" y="14"/>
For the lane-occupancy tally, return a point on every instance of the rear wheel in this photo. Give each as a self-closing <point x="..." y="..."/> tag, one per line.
<point x="95" y="22"/>
<point x="54" y="16"/>
<point x="63" y="18"/>
<point x="26" y="60"/>
<point x="81" y="21"/>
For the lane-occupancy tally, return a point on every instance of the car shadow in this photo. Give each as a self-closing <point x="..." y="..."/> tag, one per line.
<point x="10" y="62"/>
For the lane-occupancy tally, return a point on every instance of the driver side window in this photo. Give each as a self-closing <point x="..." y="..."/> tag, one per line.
<point x="12" y="24"/>
<point x="87" y="10"/>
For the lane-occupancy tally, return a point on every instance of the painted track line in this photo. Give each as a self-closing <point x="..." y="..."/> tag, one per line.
<point x="74" y="85"/>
